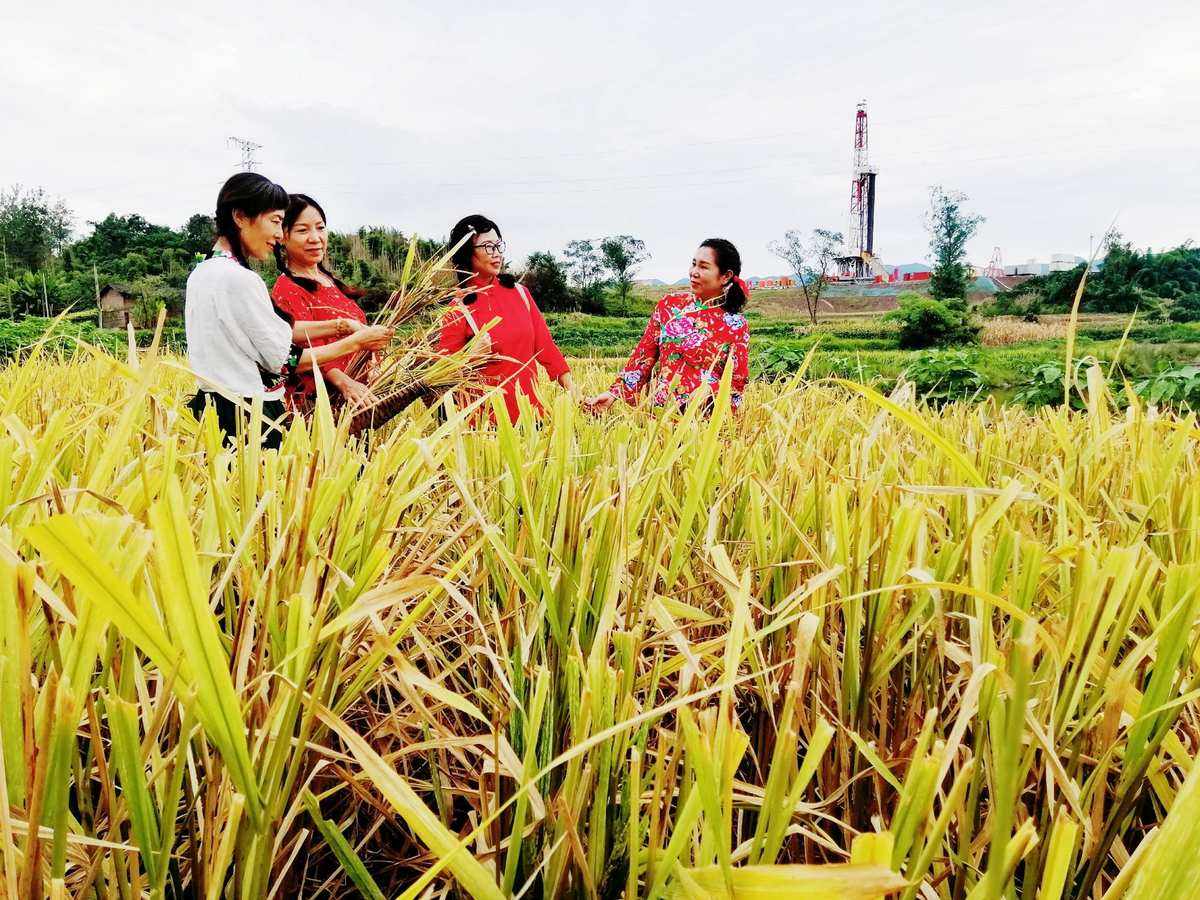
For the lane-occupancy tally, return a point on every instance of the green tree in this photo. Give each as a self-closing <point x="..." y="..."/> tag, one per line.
<point x="622" y="254"/>
<point x="810" y="262"/>
<point x="197" y="234"/>
<point x="114" y="237"/>
<point x="585" y="265"/>
<point x="151" y="294"/>
<point x="1127" y="280"/>
<point x="547" y="280"/>
<point x="950" y="228"/>
<point x="32" y="228"/>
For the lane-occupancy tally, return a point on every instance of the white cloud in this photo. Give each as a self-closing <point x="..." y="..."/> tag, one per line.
<point x="673" y="122"/>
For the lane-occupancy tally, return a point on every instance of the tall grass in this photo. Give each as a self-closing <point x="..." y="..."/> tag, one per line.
<point x="842" y="645"/>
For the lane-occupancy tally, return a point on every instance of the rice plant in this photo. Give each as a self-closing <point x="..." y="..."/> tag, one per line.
<point x="840" y="644"/>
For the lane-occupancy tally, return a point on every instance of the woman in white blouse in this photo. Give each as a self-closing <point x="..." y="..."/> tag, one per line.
<point x="238" y="347"/>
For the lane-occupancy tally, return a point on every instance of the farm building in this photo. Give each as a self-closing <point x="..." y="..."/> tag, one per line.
<point x="116" y="305"/>
<point x="771" y="284"/>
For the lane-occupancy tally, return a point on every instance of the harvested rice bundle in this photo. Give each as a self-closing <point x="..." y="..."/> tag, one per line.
<point x="425" y="287"/>
<point x="429" y="375"/>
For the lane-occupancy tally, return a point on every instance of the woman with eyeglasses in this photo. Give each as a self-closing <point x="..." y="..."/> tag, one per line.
<point x="520" y="339"/>
<point x="691" y="337"/>
<point x="239" y="349"/>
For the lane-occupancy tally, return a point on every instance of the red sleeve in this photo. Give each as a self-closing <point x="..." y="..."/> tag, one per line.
<point x="291" y="300"/>
<point x="635" y="374"/>
<point x="454" y="333"/>
<point x="741" y="364"/>
<point x="545" y="351"/>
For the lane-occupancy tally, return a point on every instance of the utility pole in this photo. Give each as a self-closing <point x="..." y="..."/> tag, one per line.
<point x="247" y="148"/>
<point x="45" y="297"/>
<point x="99" y="311"/>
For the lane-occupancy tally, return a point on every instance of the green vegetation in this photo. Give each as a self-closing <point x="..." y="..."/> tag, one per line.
<point x="1046" y="385"/>
<point x="43" y="272"/>
<point x="928" y="322"/>
<point x="67" y="334"/>
<point x="1179" y="386"/>
<point x="950" y="228"/>
<point x="942" y="377"/>
<point x="1155" y="283"/>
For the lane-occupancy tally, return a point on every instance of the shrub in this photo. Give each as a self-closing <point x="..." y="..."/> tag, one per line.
<point x="1044" y="387"/>
<point x="1023" y="306"/>
<point x="780" y="360"/>
<point x="1186" y="308"/>
<point x="1179" y="387"/>
<point x="925" y="322"/>
<point x="943" y="376"/>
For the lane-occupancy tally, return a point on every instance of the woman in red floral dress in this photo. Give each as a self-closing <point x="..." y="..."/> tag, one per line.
<point x="318" y="305"/>
<point x="691" y="336"/>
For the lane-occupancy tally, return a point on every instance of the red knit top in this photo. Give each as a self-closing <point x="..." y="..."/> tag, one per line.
<point x="299" y="305"/>
<point x="521" y="340"/>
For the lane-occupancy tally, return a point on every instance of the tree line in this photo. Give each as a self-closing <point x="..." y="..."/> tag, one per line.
<point x="46" y="269"/>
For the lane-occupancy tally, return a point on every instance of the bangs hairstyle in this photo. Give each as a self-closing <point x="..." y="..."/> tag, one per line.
<point x="728" y="260"/>
<point x="467" y="227"/>
<point x="297" y="204"/>
<point x="252" y="195"/>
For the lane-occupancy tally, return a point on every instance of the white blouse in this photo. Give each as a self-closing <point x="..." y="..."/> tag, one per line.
<point x="232" y="329"/>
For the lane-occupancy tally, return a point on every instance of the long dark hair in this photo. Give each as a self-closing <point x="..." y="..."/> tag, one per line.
<point x="467" y="227"/>
<point x="728" y="260"/>
<point x="297" y="204"/>
<point x="252" y="195"/>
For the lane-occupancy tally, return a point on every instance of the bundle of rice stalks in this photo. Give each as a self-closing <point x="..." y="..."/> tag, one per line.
<point x="426" y="375"/>
<point x="425" y="287"/>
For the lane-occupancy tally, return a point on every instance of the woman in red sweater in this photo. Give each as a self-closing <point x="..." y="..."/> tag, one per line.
<point x="317" y="304"/>
<point x="520" y="340"/>
<point x="691" y="336"/>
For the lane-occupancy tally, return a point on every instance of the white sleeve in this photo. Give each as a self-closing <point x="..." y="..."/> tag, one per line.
<point x="250" y="322"/>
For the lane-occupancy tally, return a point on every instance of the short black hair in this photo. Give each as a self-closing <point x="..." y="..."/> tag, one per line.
<point x="252" y="195"/>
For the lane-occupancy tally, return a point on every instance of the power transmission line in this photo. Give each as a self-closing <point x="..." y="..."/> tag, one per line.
<point x="247" y="148"/>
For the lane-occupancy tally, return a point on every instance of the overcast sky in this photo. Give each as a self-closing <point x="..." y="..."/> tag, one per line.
<point x="669" y="121"/>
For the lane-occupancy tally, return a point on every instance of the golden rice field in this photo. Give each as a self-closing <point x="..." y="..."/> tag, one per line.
<point x="842" y="646"/>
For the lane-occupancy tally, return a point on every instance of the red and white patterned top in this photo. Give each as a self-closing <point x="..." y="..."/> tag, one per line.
<point x="690" y="341"/>
<point x="299" y="305"/>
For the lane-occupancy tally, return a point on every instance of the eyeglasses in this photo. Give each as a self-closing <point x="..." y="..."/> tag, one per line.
<point x="492" y="248"/>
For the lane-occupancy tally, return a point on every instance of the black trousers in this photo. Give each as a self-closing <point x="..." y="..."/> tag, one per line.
<point x="233" y="421"/>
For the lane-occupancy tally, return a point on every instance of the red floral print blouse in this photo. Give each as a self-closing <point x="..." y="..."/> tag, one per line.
<point x="296" y="304"/>
<point x="689" y="341"/>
